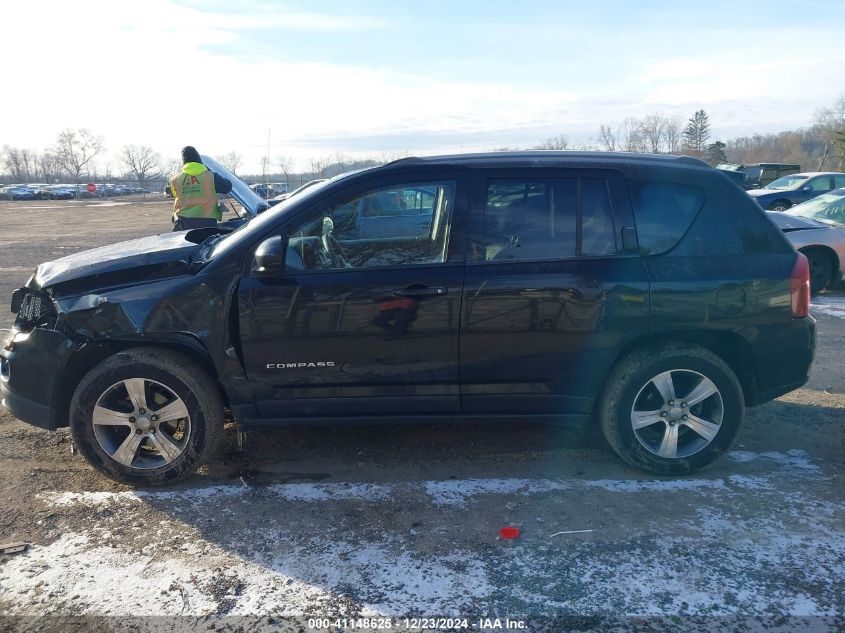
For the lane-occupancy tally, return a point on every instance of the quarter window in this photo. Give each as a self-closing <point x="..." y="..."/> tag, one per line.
<point x="540" y="219"/>
<point x="393" y="226"/>
<point x="663" y="211"/>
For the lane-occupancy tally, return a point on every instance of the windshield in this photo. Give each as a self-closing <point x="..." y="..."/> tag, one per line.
<point x="787" y="182"/>
<point x="258" y="224"/>
<point x="829" y="207"/>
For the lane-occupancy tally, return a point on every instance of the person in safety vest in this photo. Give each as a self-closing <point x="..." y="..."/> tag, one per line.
<point x="195" y="192"/>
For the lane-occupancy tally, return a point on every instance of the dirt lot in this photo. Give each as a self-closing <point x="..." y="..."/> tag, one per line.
<point x="403" y="521"/>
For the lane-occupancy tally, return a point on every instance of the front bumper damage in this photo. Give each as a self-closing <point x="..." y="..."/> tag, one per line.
<point x="31" y="366"/>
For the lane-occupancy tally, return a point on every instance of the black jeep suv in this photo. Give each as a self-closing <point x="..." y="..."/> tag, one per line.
<point x="646" y="293"/>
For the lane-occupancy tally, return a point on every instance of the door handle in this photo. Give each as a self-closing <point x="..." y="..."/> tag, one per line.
<point x="421" y="291"/>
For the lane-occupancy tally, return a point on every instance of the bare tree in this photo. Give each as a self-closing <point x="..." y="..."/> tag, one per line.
<point x="653" y="131"/>
<point x="142" y="162"/>
<point x="608" y="140"/>
<point x="76" y="149"/>
<point x="673" y="134"/>
<point x="556" y="142"/>
<point x="285" y="165"/>
<point x="319" y="166"/>
<point x="13" y="163"/>
<point x="829" y="124"/>
<point x="631" y="136"/>
<point x="49" y="166"/>
<point x="231" y="161"/>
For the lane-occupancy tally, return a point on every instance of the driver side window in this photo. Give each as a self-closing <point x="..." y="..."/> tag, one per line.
<point x="403" y="224"/>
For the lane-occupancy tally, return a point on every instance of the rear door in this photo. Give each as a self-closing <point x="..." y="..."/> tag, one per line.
<point x="364" y="319"/>
<point x="550" y="294"/>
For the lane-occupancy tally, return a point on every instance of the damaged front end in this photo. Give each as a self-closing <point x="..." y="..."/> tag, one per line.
<point x="76" y="311"/>
<point x="28" y="379"/>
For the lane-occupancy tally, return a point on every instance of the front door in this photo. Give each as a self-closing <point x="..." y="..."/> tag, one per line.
<point x="364" y="319"/>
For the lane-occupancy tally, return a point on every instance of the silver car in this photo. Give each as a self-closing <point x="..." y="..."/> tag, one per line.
<point x="817" y="229"/>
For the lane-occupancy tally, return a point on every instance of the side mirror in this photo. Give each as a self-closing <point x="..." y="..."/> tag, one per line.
<point x="268" y="261"/>
<point x="807" y="189"/>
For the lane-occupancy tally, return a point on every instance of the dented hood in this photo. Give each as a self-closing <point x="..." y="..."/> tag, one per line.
<point x="122" y="263"/>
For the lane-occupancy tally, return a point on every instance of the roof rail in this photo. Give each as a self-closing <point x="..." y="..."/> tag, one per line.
<point x="405" y="159"/>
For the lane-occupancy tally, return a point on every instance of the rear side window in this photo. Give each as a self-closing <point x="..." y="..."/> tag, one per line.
<point x="552" y="218"/>
<point x="663" y="211"/>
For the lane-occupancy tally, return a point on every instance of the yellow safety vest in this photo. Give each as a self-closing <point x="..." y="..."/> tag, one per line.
<point x="194" y="194"/>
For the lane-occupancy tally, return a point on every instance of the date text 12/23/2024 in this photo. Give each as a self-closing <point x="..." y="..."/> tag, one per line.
<point x="413" y="624"/>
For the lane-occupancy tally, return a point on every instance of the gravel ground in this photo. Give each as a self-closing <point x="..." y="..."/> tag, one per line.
<point x="403" y="521"/>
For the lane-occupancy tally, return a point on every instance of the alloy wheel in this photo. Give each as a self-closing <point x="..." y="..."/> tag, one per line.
<point x="141" y="423"/>
<point x="677" y="413"/>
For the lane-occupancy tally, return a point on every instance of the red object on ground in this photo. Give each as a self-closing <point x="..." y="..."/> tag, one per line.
<point x="91" y="188"/>
<point x="509" y="532"/>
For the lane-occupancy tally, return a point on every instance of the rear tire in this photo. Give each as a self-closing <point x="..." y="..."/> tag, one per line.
<point x="672" y="436"/>
<point x="146" y="416"/>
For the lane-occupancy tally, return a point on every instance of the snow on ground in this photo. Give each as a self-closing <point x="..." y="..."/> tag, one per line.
<point x="736" y="544"/>
<point x="830" y="305"/>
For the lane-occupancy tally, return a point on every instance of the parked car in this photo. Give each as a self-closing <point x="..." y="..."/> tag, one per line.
<point x="760" y="174"/>
<point x="261" y="190"/>
<point x="16" y="193"/>
<point x="284" y="196"/>
<point x="788" y="191"/>
<point x="39" y="191"/>
<point x="817" y="229"/>
<point x="61" y="192"/>
<point x="269" y="190"/>
<point x="635" y="292"/>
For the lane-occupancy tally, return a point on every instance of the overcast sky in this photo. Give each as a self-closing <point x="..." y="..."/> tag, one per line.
<point x="428" y="76"/>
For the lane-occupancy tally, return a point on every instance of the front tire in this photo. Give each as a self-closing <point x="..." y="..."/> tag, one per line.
<point x="780" y="205"/>
<point x="146" y="416"/>
<point x="671" y="409"/>
<point x="821" y="270"/>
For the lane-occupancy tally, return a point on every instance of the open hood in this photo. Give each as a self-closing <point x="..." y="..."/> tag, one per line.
<point x="252" y="203"/>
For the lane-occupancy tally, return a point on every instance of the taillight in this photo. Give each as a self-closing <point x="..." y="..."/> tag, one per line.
<point x="799" y="287"/>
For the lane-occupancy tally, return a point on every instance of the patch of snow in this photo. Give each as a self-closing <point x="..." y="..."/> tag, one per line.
<point x="75" y="574"/>
<point x="832" y="306"/>
<point x="193" y="496"/>
<point x="742" y="456"/>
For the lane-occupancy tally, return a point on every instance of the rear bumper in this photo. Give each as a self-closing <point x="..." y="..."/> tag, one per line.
<point x="31" y="369"/>
<point x="784" y="356"/>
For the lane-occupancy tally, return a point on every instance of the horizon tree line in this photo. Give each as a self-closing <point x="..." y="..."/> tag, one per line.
<point x="819" y="146"/>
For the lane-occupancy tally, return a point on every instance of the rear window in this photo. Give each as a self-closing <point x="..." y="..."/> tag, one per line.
<point x="663" y="211"/>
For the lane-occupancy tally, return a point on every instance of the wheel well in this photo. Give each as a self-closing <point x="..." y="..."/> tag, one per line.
<point x="93" y="353"/>
<point x="827" y="252"/>
<point x="730" y="347"/>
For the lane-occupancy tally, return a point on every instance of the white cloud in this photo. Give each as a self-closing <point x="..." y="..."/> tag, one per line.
<point x="155" y="73"/>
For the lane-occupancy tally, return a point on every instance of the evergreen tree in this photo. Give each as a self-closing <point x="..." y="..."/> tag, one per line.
<point x="716" y="153"/>
<point x="697" y="132"/>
